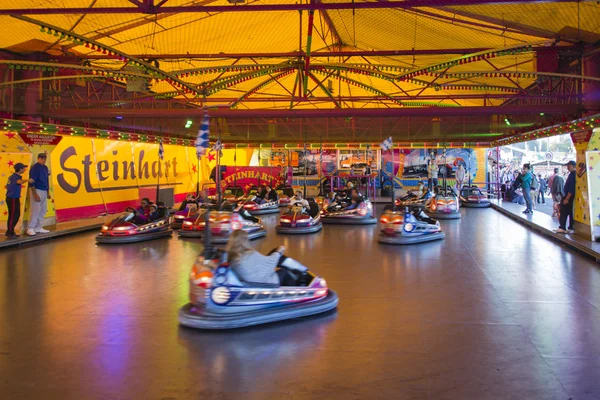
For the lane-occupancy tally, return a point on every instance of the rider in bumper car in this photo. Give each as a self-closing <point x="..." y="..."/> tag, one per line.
<point x="243" y="288"/>
<point x="252" y="266"/>
<point x="265" y="202"/>
<point x="349" y="211"/>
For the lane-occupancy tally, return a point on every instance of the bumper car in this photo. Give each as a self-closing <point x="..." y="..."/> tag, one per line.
<point x="219" y="299"/>
<point x="254" y="208"/>
<point x="190" y="212"/>
<point x="285" y="194"/>
<point x="361" y="215"/>
<point x="222" y="223"/>
<point x="406" y="227"/>
<point x="473" y="198"/>
<point x="233" y="194"/>
<point x="444" y="205"/>
<point x="298" y="220"/>
<point x="127" y="228"/>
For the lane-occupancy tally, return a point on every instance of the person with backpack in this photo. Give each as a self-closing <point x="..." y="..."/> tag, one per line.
<point x="526" y="180"/>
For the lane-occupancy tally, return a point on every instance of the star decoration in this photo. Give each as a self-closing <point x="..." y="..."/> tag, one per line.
<point x="194" y="168"/>
<point x="10" y="135"/>
<point x="21" y="148"/>
<point x="10" y="163"/>
<point x="2" y="202"/>
<point x="211" y="156"/>
<point x="5" y="212"/>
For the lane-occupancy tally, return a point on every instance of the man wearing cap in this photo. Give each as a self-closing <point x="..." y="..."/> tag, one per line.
<point x="39" y="195"/>
<point x="566" y="205"/>
<point x="13" y="198"/>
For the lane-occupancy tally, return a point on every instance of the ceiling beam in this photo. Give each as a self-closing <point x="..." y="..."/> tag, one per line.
<point x="151" y="9"/>
<point x="290" y="54"/>
<point x="317" y="113"/>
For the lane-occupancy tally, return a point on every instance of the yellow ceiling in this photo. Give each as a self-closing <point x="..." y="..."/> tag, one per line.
<point x="491" y="26"/>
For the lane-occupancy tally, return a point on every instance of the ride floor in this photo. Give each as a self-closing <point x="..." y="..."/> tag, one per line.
<point x="494" y="311"/>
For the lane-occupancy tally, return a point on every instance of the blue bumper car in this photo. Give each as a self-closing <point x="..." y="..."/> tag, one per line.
<point x="408" y="227"/>
<point x="219" y="299"/>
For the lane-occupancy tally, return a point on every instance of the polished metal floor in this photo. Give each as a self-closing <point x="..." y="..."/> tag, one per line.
<point x="493" y="312"/>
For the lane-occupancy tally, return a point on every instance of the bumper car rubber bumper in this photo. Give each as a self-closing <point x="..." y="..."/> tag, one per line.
<point x="194" y="317"/>
<point x="288" y="230"/>
<point x="215" y="239"/>
<point x="399" y="239"/>
<point x="443" y="215"/>
<point x="176" y="225"/>
<point x="264" y="211"/>
<point x="475" y="205"/>
<point x="349" y="220"/>
<point x="140" y="237"/>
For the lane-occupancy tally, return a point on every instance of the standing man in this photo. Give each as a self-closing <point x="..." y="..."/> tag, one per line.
<point x="13" y="199"/>
<point x="543" y="187"/>
<point x="40" y="193"/>
<point x="566" y="205"/>
<point x="526" y="179"/>
<point x="460" y="176"/>
<point x="432" y="173"/>
<point x="556" y="184"/>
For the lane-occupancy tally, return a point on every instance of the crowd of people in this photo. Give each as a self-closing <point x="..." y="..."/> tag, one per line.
<point x="529" y="189"/>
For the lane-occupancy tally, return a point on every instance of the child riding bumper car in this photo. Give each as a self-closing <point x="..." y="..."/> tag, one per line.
<point x="472" y="197"/>
<point x="131" y="227"/>
<point x="300" y="219"/>
<point x="222" y="224"/>
<point x="444" y="205"/>
<point x="406" y="227"/>
<point x="220" y="298"/>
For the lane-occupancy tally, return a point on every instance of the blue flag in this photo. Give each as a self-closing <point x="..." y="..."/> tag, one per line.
<point x="202" y="138"/>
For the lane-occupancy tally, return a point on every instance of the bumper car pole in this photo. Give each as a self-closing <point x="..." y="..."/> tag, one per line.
<point x="208" y="250"/>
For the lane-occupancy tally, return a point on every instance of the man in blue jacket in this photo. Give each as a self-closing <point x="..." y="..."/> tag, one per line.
<point x="40" y="193"/>
<point x="566" y="205"/>
<point x="13" y="199"/>
<point x="526" y="179"/>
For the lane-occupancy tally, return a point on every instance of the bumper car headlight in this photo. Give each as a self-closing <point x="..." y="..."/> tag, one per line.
<point x="220" y="295"/>
<point x="408" y="227"/>
<point x="122" y="228"/>
<point x="104" y="228"/>
<point x="188" y="223"/>
<point x="179" y="217"/>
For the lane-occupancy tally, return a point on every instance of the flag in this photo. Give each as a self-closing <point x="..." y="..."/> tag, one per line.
<point x="202" y="138"/>
<point x="161" y="150"/>
<point x="387" y="144"/>
<point x="218" y="146"/>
